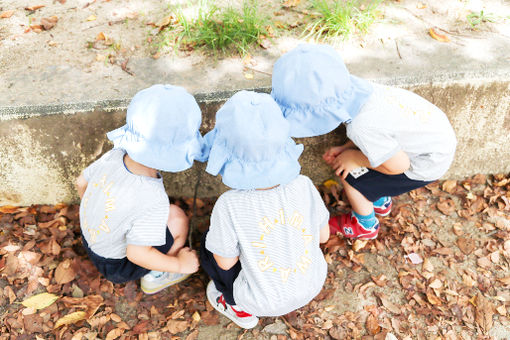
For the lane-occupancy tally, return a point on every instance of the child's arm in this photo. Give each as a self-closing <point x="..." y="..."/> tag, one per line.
<point x="186" y="260"/>
<point x="324" y="234"/>
<point x="225" y="263"/>
<point x="351" y="159"/>
<point x="81" y="185"/>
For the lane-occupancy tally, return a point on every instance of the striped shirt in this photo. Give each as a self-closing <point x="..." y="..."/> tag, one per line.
<point x="276" y="235"/>
<point x="121" y="208"/>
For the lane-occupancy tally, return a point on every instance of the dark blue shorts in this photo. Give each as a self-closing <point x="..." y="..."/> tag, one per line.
<point x="374" y="184"/>
<point x="223" y="279"/>
<point x="123" y="270"/>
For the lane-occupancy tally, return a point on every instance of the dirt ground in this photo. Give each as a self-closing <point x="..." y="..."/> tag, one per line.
<point x="438" y="270"/>
<point x="101" y="36"/>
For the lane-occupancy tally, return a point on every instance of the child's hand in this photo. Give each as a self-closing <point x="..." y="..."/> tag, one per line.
<point x="345" y="162"/>
<point x="188" y="261"/>
<point x="331" y="153"/>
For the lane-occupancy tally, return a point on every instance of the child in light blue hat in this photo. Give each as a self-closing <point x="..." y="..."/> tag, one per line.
<point x="129" y="228"/>
<point x="398" y="140"/>
<point x="262" y="248"/>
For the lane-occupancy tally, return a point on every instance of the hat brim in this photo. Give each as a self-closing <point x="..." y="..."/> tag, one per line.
<point x="241" y="174"/>
<point x="174" y="158"/>
<point x="314" y="120"/>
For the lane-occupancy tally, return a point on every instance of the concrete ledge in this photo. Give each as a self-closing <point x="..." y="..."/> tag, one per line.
<point x="44" y="148"/>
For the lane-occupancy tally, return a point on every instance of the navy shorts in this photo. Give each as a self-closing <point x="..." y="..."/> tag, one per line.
<point x="223" y="279"/>
<point x="374" y="184"/>
<point x="123" y="270"/>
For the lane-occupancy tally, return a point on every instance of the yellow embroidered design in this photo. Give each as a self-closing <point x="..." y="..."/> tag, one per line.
<point x="267" y="227"/>
<point x="102" y="186"/>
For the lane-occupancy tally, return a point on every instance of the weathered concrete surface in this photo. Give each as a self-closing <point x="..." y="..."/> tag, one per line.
<point x="42" y="155"/>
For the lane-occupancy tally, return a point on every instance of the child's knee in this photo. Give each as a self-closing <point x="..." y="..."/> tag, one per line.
<point x="178" y="222"/>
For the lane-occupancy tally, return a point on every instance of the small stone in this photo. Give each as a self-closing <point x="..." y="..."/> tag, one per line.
<point x="276" y="328"/>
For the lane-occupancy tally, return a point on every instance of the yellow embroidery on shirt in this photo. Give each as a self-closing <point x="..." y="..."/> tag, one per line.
<point x="104" y="186"/>
<point x="265" y="264"/>
<point x="284" y="274"/>
<point x="304" y="264"/>
<point x="295" y="222"/>
<point x="266" y="225"/>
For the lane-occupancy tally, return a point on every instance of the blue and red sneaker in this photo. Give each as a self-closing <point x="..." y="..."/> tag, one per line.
<point x="348" y="226"/>
<point x="385" y="208"/>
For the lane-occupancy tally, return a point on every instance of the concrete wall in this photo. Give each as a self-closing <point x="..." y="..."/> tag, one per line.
<point x="41" y="154"/>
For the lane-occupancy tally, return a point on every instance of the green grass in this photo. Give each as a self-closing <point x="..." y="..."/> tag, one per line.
<point x="217" y="29"/>
<point x="476" y="19"/>
<point x="335" y="19"/>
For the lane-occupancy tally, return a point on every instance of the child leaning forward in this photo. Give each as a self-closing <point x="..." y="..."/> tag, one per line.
<point x="129" y="228"/>
<point x="398" y="141"/>
<point x="262" y="248"/>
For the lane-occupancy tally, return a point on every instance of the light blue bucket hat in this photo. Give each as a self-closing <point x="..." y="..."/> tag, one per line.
<point x="161" y="129"/>
<point x="250" y="146"/>
<point x="315" y="90"/>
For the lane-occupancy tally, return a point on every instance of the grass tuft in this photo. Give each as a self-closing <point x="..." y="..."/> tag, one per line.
<point x="218" y="29"/>
<point x="336" y="19"/>
<point x="477" y="18"/>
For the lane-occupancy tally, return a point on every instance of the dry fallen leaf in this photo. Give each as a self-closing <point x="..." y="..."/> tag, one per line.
<point x="49" y="23"/>
<point x="114" y="333"/>
<point x="100" y="36"/>
<point x="177" y="326"/>
<point x="414" y="258"/>
<point x="447" y="206"/>
<point x="436" y="284"/>
<point x="484" y="262"/>
<point x="501" y="310"/>
<point x="291" y="3"/>
<point x="466" y="245"/>
<point x="432" y="298"/>
<point x="388" y="304"/>
<point x="196" y="316"/>
<point x="449" y="186"/>
<point x="457" y="229"/>
<point x="70" y="318"/>
<point x="33" y="8"/>
<point x="165" y="21"/>
<point x="438" y="36"/>
<point x="91" y="18"/>
<point x="5" y="15"/>
<point x="264" y="43"/>
<point x="427" y="265"/>
<point x="40" y="301"/>
<point x="484" y="312"/>
<point x="64" y="272"/>
<point x="359" y="244"/>
<point x="372" y="325"/>
<point x="505" y="280"/>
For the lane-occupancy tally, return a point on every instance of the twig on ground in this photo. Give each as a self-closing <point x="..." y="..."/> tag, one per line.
<point x="398" y="51"/>
<point x="259" y="71"/>
<point x="124" y="67"/>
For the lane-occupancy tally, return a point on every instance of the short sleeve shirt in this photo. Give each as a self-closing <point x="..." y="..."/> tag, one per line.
<point x="120" y="208"/>
<point x="395" y="119"/>
<point x="276" y="235"/>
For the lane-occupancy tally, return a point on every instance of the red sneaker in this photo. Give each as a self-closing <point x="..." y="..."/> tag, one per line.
<point x="385" y="209"/>
<point x="348" y="226"/>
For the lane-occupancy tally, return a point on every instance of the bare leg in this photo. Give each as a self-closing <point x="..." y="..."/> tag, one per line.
<point x="359" y="203"/>
<point x="178" y="224"/>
